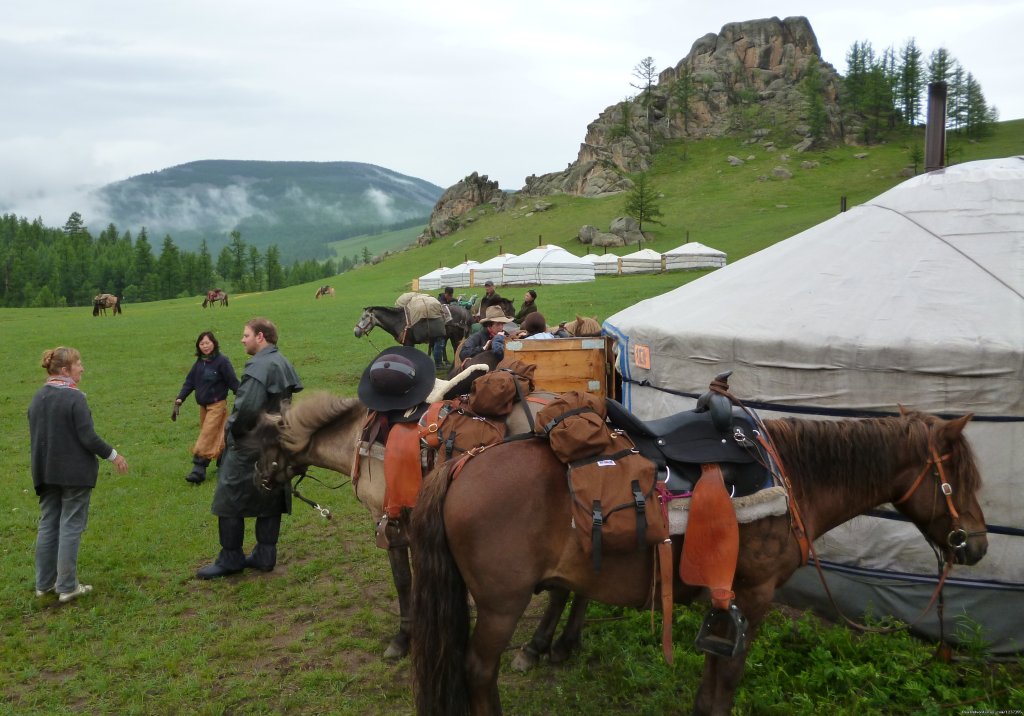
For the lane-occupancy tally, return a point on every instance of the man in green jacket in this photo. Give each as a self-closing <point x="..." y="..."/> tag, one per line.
<point x="268" y="380"/>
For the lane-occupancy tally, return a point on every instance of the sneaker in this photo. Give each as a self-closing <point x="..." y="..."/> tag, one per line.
<point x="43" y="592"/>
<point x="79" y="591"/>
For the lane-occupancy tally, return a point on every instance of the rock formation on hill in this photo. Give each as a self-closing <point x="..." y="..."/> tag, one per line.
<point x="459" y="199"/>
<point x="744" y="80"/>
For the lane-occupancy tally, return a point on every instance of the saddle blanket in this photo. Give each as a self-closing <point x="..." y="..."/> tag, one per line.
<point x="771" y="502"/>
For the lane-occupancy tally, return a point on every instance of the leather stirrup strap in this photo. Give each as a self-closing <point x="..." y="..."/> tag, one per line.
<point x="402" y="473"/>
<point x="712" y="544"/>
<point x="665" y="568"/>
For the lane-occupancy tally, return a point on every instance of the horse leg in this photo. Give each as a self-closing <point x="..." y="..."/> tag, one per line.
<point x="401" y="573"/>
<point x="569" y="642"/>
<point x="491" y="635"/>
<point x="528" y="656"/>
<point x="722" y="675"/>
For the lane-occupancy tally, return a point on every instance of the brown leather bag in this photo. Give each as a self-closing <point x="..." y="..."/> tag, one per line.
<point x="615" y="507"/>
<point x="493" y="394"/>
<point x="574" y="423"/>
<point x="463" y="430"/>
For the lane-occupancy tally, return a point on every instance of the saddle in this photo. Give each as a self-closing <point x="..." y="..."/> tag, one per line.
<point x="711" y="453"/>
<point x="679" y="444"/>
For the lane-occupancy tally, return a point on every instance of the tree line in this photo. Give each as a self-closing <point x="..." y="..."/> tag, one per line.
<point x="42" y="266"/>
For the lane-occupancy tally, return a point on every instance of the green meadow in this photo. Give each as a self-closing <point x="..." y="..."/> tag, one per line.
<point x="307" y="638"/>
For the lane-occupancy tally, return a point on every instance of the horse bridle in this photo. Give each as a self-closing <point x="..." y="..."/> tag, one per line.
<point x="957" y="537"/>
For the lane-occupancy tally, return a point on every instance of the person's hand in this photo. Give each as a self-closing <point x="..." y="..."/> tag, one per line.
<point x="174" y="412"/>
<point x="121" y="464"/>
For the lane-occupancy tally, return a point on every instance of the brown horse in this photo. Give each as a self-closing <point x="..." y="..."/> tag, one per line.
<point x="103" y="301"/>
<point x="324" y="291"/>
<point x="323" y="430"/>
<point x="502" y="529"/>
<point x="215" y="295"/>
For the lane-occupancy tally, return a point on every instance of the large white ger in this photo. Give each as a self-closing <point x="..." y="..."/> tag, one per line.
<point x="915" y="298"/>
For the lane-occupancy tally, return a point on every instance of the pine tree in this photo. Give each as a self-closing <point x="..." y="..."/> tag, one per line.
<point x="911" y="82"/>
<point x="641" y="202"/>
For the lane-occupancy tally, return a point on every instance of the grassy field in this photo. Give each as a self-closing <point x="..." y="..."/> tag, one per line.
<point x="307" y="637"/>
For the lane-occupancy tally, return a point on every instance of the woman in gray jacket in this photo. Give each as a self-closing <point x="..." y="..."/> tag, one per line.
<point x="64" y="470"/>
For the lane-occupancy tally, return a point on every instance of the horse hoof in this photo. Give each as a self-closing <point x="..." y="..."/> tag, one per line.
<point x="396" y="651"/>
<point x="523" y="661"/>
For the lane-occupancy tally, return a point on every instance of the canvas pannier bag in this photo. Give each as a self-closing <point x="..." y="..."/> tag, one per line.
<point x="451" y="429"/>
<point x="615" y="507"/>
<point x="494" y="394"/>
<point x="574" y="423"/>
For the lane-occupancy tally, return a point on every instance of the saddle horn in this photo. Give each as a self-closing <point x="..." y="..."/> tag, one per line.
<point x="718" y="403"/>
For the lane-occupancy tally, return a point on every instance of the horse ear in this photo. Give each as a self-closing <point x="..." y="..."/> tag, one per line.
<point x="578" y="319"/>
<point x="903" y="411"/>
<point x="952" y="429"/>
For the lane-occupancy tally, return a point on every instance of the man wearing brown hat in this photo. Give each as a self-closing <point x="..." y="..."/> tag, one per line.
<point x="491" y="338"/>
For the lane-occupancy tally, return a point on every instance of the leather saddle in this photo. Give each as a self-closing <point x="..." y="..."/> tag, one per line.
<point x="714" y="432"/>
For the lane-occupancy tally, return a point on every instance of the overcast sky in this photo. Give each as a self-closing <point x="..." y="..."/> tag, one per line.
<point x="94" y="92"/>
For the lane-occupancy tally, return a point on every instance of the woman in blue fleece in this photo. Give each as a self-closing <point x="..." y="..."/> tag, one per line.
<point x="211" y="377"/>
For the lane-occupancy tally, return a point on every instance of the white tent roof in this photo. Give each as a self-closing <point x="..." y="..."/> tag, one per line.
<point x="458" y="276"/>
<point x="604" y="263"/>
<point x="914" y="298"/>
<point x="432" y="280"/>
<point x="693" y="255"/>
<point x="694" y="248"/>
<point x="642" y="261"/>
<point x="490" y="270"/>
<point x="547" y="265"/>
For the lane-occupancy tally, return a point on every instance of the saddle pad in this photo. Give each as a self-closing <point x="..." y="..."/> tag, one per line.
<point x="771" y="502"/>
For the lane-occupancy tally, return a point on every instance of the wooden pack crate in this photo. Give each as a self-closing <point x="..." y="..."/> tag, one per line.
<point x="565" y="364"/>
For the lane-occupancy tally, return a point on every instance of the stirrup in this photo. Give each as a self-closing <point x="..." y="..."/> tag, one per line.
<point x="735" y="632"/>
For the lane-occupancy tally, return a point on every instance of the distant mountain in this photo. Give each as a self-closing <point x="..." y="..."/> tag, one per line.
<point x="299" y="206"/>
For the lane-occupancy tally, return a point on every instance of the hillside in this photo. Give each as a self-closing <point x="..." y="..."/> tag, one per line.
<point x="703" y="197"/>
<point x="299" y="206"/>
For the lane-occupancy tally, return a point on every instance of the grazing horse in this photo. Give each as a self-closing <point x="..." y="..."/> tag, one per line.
<point x="394" y="320"/>
<point x="323" y="430"/>
<point x="103" y="301"/>
<point x="324" y="291"/>
<point x="501" y="528"/>
<point x="215" y="295"/>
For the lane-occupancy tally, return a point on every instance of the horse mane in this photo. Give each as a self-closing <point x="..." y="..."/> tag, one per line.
<point x="583" y="326"/>
<point x="313" y="412"/>
<point x="846" y="453"/>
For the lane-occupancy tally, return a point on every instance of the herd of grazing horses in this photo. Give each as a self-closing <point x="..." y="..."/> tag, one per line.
<point x="471" y="542"/>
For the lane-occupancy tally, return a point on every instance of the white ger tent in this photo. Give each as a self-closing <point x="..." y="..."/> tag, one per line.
<point x="914" y="298"/>
<point x="642" y="261"/>
<point x="489" y="270"/>
<point x="693" y="255"/>
<point x="431" y="281"/>
<point x="458" y="276"/>
<point x="604" y="264"/>
<point x="545" y="265"/>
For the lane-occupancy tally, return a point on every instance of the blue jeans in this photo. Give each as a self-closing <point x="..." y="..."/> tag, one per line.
<point x="64" y="512"/>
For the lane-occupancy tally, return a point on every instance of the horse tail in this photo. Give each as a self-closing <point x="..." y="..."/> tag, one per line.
<point x="117" y="305"/>
<point x="440" y="629"/>
<point x="225" y="299"/>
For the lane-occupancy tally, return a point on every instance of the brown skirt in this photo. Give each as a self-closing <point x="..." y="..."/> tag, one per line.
<point x="211" y="430"/>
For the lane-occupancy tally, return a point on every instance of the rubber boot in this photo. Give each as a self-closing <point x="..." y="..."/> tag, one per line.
<point x="264" y="554"/>
<point x="231" y="559"/>
<point x="198" y="473"/>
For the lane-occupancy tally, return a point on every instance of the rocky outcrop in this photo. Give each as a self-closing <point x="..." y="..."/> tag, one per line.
<point x="744" y="81"/>
<point x="457" y="201"/>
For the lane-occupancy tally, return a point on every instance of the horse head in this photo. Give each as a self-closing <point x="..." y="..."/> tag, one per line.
<point x="942" y="499"/>
<point x="366" y="323"/>
<point x="275" y="466"/>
